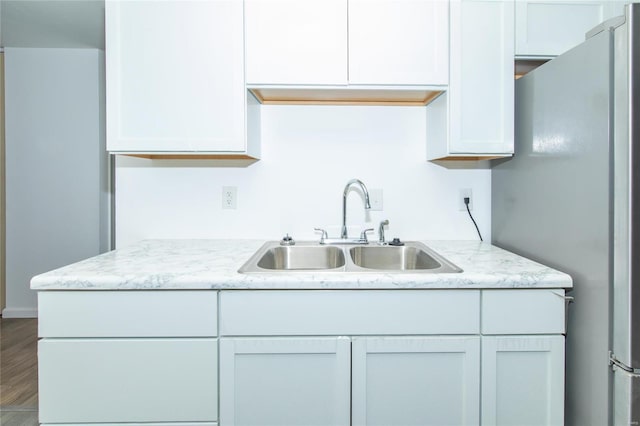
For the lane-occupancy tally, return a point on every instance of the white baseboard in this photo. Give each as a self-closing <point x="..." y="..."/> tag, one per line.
<point x="20" y="313"/>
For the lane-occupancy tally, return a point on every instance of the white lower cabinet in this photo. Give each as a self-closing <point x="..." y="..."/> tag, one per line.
<point x="523" y="380"/>
<point x="342" y="381"/>
<point x="416" y="380"/>
<point x="135" y="424"/>
<point x="123" y="357"/>
<point x="285" y="381"/>
<point x="127" y="380"/>
<point x="302" y="357"/>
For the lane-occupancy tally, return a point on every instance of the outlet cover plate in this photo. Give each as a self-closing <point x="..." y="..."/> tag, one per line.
<point x="375" y="199"/>
<point x="464" y="193"/>
<point x="229" y="197"/>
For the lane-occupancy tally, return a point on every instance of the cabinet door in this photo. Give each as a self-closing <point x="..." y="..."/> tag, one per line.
<point x="416" y="380"/>
<point x="551" y="27"/>
<point x="398" y="42"/>
<point x="523" y="380"/>
<point x="175" y="76"/>
<point x="481" y="91"/>
<point x="285" y="381"/>
<point x="127" y="380"/>
<point x="296" y="41"/>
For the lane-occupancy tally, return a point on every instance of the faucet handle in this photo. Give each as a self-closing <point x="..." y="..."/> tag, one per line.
<point x="287" y="241"/>
<point x="363" y="234"/>
<point x="323" y="234"/>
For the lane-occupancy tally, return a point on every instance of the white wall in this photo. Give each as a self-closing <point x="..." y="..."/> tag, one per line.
<point x="308" y="155"/>
<point x="55" y="173"/>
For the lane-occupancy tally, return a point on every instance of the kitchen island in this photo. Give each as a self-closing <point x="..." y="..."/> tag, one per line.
<point x="168" y="332"/>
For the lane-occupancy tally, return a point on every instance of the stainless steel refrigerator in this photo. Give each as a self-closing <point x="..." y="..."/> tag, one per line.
<point x="570" y="198"/>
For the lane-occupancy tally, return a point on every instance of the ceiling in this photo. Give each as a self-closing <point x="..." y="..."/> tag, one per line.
<point x="52" y="23"/>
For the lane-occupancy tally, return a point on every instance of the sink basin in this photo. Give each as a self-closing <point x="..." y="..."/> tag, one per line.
<point x="299" y="258"/>
<point x="393" y="258"/>
<point x="413" y="257"/>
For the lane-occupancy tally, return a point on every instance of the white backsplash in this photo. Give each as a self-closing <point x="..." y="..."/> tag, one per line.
<point x="308" y="155"/>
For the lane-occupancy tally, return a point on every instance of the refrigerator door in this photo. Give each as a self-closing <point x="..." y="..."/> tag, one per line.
<point x="551" y="203"/>
<point x="626" y="187"/>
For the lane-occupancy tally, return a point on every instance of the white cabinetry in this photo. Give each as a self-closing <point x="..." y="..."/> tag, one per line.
<point x="474" y="118"/>
<point x="175" y="78"/>
<point x="285" y="381"/>
<point x="339" y="312"/>
<point x="523" y="357"/>
<point x="398" y="42"/>
<point x="296" y="41"/>
<point x="339" y="42"/>
<point x="127" y="380"/>
<point x="547" y="28"/>
<point x="384" y="375"/>
<point x="394" y="380"/>
<point x="121" y="357"/>
<point x="523" y="380"/>
<point x="325" y="357"/>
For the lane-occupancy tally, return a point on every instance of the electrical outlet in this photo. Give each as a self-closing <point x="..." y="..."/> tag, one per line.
<point x="229" y="197"/>
<point x="464" y="193"/>
<point x="375" y="199"/>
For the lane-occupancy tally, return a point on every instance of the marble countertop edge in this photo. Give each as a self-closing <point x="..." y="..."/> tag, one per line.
<point x="213" y="265"/>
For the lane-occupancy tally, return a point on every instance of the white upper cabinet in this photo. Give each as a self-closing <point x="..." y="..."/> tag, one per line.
<point x="398" y="42"/>
<point x="175" y="76"/>
<point x="296" y="41"/>
<point x="340" y="42"/>
<point x="474" y="118"/>
<point x="546" y="28"/>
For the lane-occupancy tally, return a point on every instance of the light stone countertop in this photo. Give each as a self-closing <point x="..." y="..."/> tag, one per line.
<point x="213" y="264"/>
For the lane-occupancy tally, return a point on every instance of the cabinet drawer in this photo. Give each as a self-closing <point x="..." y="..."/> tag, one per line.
<point x="523" y="312"/>
<point x="247" y="313"/>
<point x="133" y="424"/>
<point x="127" y="313"/>
<point x="128" y="380"/>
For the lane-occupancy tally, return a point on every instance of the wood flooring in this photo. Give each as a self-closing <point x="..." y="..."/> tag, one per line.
<point x="18" y="372"/>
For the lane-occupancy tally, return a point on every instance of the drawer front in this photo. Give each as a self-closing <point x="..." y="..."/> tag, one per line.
<point x="523" y="312"/>
<point x="358" y="312"/>
<point x="128" y="380"/>
<point x="132" y="424"/>
<point x="127" y="313"/>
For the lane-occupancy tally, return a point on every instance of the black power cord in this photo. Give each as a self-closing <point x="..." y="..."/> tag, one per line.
<point x="466" y="203"/>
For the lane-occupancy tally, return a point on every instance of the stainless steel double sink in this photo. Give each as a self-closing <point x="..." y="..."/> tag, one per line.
<point x="412" y="257"/>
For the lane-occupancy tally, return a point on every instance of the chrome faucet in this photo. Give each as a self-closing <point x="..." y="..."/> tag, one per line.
<point x="367" y="205"/>
<point x="381" y="240"/>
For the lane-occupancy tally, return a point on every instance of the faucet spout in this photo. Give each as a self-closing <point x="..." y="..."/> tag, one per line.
<point x="367" y="205"/>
